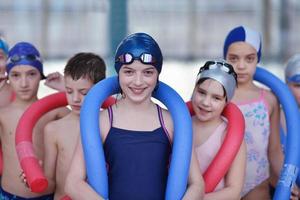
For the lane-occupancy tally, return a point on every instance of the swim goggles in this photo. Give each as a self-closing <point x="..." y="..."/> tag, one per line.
<point x="17" y="58"/>
<point x="225" y="67"/>
<point x="128" y="58"/>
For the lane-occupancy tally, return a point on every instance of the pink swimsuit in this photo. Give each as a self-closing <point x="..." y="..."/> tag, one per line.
<point x="207" y="151"/>
<point x="257" y="139"/>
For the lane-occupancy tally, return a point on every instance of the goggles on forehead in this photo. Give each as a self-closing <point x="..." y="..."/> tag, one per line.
<point x="225" y="67"/>
<point x="17" y="58"/>
<point x="128" y="58"/>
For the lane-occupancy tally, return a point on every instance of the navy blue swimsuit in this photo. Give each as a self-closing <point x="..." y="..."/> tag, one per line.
<point x="137" y="162"/>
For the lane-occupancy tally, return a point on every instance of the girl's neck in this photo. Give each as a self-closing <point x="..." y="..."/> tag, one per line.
<point x="145" y="105"/>
<point x="211" y="123"/>
<point x="24" y="103"/>
<point x="247" y="85"/>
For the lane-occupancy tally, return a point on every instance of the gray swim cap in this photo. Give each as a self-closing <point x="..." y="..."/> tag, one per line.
<point x="222" y="72"/>
<point x="292" y="70"/>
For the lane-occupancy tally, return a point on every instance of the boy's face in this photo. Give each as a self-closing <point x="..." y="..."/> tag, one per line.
<point x="2" y="62"/>
<point x="243" y="57"/>
<point x="295" y="88"/>
<point x="25" y="80"/>
<point x="76" y="91"/>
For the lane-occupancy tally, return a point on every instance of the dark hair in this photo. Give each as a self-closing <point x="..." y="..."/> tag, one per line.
<point x="87" y="65"/>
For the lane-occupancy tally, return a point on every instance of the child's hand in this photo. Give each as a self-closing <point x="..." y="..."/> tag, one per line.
<point x="23" y="175"/>
<point x="23" y="179"/>
<point x="55" y="81"/>
<point x="295" y="193"/>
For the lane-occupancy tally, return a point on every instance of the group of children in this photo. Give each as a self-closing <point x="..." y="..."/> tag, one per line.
<point x="136" y="133"/>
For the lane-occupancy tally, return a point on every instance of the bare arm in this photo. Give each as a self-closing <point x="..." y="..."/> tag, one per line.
<point x="51" y="153"/>
<point x="55" y="81"/>
<point x="195" y="188"/>
<point x="275" y="153"/>
<point x="234" y="179"/>
<point x="76" y="186"/>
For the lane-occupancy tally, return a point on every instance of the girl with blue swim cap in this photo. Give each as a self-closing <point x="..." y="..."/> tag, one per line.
<point x="136" y="133"/>
<point x="242" y="49"/>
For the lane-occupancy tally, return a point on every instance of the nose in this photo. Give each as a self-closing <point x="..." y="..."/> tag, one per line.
<point x="138" y="79"/>
<point x="76" y="97"/>
<point x="206" y="100"/>
<point x="24" y="82"/>
<point x="240" y="64"/>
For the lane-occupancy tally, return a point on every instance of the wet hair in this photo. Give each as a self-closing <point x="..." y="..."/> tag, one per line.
<point x="86" y="65"/>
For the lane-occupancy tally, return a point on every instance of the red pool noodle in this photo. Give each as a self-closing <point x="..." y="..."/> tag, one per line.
<point x="28" y="161"/>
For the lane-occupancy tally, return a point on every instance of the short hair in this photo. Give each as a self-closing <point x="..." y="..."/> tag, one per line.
<point x="87" y="65"/>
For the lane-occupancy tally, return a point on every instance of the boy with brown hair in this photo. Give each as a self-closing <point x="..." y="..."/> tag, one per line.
<point x="25" y="70"/>
<point x="82" y="71"/>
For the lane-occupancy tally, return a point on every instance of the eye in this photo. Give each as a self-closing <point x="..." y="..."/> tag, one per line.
<point x="217" y="98"/>
<point x="201" y="92"/>
<point x="33" y="73"/>
<point x="250" y="59"/>
<point x="84" y="92"/>
<point x="69" y="91"/>
<point x="128" y="72"/>
<point x="15" y="75"/>
<point x="232" y="59"/>
<point x="149" y="72"/>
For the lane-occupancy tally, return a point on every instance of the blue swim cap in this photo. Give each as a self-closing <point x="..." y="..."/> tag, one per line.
<point x="24" y="53"/>
<point x="292" y="70"/>
<point x="243" y="34"/>
<point x="3" y="45"/>
<point x="137" y="44"/>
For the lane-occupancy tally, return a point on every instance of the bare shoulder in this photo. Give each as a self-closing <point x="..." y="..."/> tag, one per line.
<point x="271" y="99"/>
<point x="167" y="120"/>
<point x="58" y="113"/>
<point x="104" y="123"/>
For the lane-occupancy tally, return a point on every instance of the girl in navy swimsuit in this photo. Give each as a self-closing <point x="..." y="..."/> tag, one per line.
<point x="137" y="134"/>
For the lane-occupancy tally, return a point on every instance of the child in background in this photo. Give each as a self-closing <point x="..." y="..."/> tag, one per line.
<point x="81" y="72"/>
<point x="25" y="70"/>
<point x="242" y="49"/>
<point x="137" y="134"/>
<point x="5" y="89"/>
<point x="215" y="85"/>
<point x="292" y="79"/>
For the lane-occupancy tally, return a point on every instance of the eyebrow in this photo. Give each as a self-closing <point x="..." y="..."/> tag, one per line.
<point x="32" y="70"/>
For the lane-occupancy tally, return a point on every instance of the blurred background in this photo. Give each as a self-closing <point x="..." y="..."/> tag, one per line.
<point x="188" y="32"/>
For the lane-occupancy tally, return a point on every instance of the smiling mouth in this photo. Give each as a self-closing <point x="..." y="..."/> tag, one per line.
<point x="137" y="90"/>
<point x="203" y="110"/>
